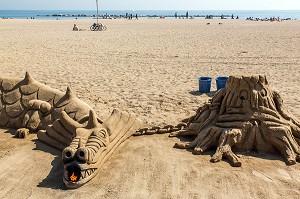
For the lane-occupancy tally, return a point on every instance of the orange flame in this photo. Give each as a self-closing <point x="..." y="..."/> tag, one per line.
<point x="73" y="178"/>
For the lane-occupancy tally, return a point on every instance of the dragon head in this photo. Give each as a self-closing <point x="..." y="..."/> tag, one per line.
<point x="81" y="158"/>
<point x="86" y="146"/>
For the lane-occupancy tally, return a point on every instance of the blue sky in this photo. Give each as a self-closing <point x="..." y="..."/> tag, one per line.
<point x="151" y="4"/>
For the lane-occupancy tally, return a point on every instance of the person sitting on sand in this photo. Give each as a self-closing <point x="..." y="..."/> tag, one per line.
<point x="75" y="28"/>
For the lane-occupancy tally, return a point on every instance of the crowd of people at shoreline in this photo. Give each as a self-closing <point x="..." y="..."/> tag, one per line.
<point x="278" y="19"/>
<point x="130" y="16"/>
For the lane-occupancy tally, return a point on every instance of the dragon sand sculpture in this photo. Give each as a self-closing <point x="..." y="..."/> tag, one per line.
<point x="245" y="115"/>
<point x="66" y="123"/>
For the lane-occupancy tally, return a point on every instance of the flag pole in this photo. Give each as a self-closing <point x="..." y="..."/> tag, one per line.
<point x="97" y="10"/>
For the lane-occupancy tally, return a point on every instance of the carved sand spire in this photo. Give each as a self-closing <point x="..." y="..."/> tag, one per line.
<point x="28" y="78"/>
<point x="93" y="120"/>
<point x="245" y="115"/>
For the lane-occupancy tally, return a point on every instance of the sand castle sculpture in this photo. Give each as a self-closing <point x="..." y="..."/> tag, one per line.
<point x="66" y="123"/>
<point x="245" y="115"/>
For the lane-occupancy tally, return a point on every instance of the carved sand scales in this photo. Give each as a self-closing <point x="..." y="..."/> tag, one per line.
<point x="245" y="115"/>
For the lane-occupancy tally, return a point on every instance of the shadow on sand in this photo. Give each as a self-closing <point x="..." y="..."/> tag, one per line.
<point x="197" y="93"/>
<point x="211" y="152"/>
<point x="10" y="131"/>
<point x="54" y="180"/>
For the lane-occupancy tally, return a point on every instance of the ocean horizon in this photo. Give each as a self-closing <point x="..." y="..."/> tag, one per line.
<point x="87" y="14"/>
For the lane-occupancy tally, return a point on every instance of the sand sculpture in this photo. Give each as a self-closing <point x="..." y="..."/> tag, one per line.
<point x="246" y="115"/>
<point x="64" y="122"/>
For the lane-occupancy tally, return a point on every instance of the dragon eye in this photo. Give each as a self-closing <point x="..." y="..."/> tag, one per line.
<point x="244" y="95"/>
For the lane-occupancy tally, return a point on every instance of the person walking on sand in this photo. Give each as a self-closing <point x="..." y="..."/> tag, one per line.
<point x="187" y="14"/>
<point x="136" y="17"/>
<point x="175" y="15"/>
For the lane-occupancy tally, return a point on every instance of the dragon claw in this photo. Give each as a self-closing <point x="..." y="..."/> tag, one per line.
<point x="22" y="133"/>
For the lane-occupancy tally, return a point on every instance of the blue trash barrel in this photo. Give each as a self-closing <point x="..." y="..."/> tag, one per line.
<point x="204" y="84"/>
<point x="221" y="82"/>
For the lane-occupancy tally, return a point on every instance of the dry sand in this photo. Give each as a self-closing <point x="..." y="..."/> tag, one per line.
<point x="149" y="67"/>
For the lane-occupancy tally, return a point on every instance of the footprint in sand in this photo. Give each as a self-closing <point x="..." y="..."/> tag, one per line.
<point x="261" y="176"/>
<point x="284" y="174"/>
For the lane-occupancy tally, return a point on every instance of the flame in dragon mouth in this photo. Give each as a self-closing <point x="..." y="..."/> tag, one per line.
<point x="73" y="178"/>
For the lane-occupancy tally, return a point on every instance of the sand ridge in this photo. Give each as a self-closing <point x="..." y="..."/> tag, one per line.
<point x="149" y="67"/>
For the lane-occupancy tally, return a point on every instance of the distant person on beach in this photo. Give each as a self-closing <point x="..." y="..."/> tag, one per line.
<point x="187" y="14"/>
<point x="75" y="28"/>
<point x="136" y="17"/>
<point x="126" y="16"/>
<point x="232" y="17"/>
<point x="175" y="15"/>
<point x="237" y="17"/>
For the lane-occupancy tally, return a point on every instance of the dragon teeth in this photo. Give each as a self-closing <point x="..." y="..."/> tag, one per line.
<point x="86" y="173"/>
<point x="82" y="174"/>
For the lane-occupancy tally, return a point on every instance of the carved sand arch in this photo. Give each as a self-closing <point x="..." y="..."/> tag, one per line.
<point x="245" y="115"/>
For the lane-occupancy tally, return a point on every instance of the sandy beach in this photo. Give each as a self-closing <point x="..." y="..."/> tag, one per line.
<point x="149" y="67"/>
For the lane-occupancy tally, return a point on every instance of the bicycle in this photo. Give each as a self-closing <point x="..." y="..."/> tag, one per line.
<point x="98" y="27"/>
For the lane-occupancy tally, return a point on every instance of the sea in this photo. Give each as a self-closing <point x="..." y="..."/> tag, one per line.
<point x="87" y="14"/>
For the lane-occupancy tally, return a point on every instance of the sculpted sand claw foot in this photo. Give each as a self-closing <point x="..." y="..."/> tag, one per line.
<point x="22" y="133"/>
<point x="245" y="115"/>
<point x="283" y="140"/>
<point x="228" y="138"/>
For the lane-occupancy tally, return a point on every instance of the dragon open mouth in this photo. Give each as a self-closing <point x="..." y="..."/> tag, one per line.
<point x="76" y="176"/>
